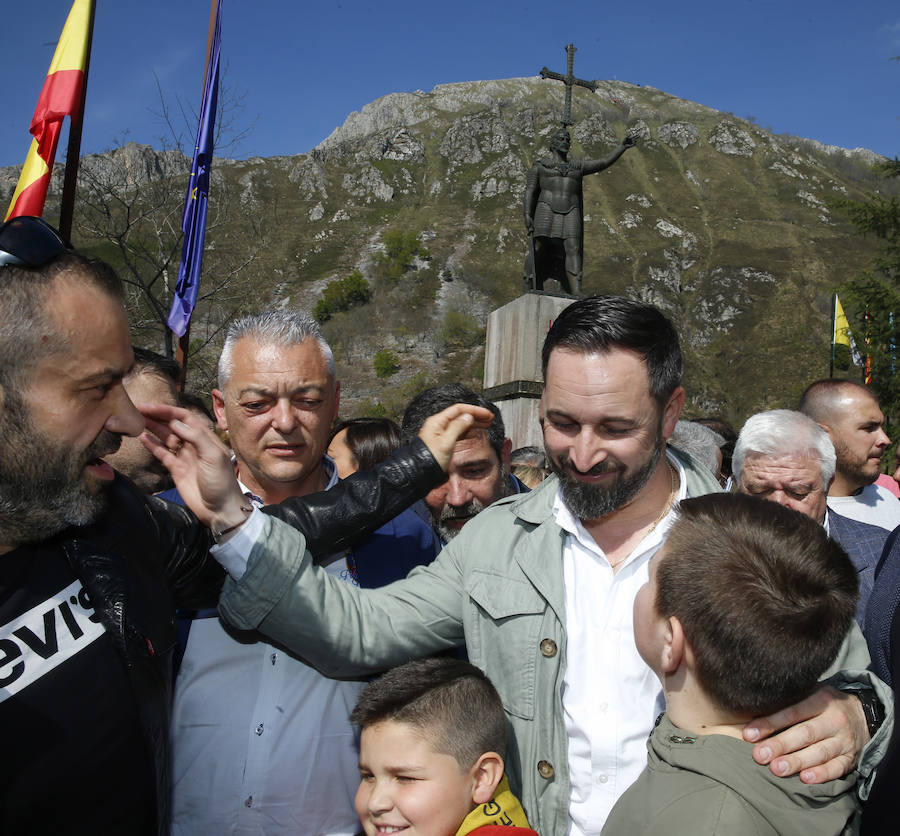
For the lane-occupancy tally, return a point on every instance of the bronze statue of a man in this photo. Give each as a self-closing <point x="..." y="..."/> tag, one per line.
<point x="554" y="213"/>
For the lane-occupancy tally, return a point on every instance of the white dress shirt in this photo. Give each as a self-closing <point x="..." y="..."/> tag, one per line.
<point x="610" y="697"/>
<point x="262" y="743"/>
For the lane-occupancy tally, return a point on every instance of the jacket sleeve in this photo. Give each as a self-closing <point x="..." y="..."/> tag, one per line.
<point x="347" y="513"/>
<point x="339" y="628"/>
<point x="192" y="575"/>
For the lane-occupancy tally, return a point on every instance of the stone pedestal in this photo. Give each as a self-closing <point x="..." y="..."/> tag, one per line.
<point x="512" y="361"/>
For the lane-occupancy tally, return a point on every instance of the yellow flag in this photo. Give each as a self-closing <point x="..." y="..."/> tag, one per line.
<point x="842" y="334"/>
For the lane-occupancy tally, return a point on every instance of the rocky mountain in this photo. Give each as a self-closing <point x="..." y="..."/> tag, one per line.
<point x="720" y="222"/>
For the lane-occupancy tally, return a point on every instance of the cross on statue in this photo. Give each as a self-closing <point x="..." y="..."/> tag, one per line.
<point x="570" y="81"/>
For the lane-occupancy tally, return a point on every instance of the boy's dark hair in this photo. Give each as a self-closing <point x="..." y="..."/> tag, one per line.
<point x="371" y="440"/>
<point x="450" y="701"/>
<point x="601" y="323"/>
<point x="438" y="398"/>
<point x="765" y="597"/>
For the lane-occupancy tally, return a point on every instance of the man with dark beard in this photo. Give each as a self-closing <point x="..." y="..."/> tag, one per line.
<point x="540" y="587"/>
<point x="479" y="470"/>
<point x="90" y="567"/>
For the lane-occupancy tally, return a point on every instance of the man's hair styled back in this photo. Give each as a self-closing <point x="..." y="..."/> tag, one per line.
<point x="819" y="399"/>
<point x="450" y="701"/>
<point x="371" y="440"/>
<point x="282" y="327"/>
<point x="438" y="398"/>
<point x="765" y="598"/>
<point x="24" y="295"/>
<point x="149" y="362"/>
<point x="599" y="324"/>
<point x="783" y="432"/>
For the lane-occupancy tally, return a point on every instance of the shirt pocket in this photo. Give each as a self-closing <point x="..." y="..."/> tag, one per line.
<point x="505" y="620"/>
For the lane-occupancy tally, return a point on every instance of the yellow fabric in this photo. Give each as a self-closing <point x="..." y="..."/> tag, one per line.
<point x="32" y="171"/>
<point x="503" y="809"/>
<point x="71" y="51"/>
<point x="841" y="325"/>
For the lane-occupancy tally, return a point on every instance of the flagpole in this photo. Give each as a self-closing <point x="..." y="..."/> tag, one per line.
<point x="73" y="150"/>
<point x="833" y="333"/>
<point x="184" y="341"/>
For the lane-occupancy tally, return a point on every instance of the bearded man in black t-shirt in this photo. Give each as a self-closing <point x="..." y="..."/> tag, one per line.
<point x="91" y="569"/>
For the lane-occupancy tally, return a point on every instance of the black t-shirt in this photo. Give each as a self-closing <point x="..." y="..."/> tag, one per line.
<point x="74" y="758"/>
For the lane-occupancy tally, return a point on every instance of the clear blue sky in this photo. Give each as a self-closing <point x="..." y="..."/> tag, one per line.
<point x="815" y="69"/>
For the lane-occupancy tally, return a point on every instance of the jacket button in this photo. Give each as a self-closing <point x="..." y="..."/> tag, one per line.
<point x="548" y="648"/>
<point x="546" y="769"/>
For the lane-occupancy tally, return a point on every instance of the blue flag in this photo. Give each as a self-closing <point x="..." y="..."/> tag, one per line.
<point x="194" y="221"/>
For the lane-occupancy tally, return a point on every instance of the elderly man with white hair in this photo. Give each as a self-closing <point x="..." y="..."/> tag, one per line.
<point x="788" y="458"/>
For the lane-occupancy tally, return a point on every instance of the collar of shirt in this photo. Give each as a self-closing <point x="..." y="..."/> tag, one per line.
<point x="234" y="554"/>
<point x="569" y="523"/>
<point x="256" y="502"/>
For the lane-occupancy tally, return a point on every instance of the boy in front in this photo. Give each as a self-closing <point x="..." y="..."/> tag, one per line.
<point x="746" y="607"/>
<point x="431" y="754"/>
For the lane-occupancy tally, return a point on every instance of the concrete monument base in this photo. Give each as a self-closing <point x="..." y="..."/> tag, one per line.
<point x="512" y="361"/>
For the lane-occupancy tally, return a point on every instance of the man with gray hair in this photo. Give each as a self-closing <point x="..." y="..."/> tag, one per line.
<point x="262" y="742"/>
<point x="788" y="458"/>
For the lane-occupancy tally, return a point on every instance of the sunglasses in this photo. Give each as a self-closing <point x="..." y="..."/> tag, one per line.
<point x="29" y="242"/>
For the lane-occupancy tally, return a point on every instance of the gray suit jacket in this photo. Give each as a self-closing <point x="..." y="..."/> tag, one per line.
<point x="864" y="544"/>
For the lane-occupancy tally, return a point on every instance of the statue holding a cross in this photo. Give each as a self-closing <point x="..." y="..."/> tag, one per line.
<point x="553" y="201"/>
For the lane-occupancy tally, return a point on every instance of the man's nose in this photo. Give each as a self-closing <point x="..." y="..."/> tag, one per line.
<point x="458" y="492"/>
<point x="284" y="418"/>
<point x="584" y="451"/>
<point x="125" y="418"/>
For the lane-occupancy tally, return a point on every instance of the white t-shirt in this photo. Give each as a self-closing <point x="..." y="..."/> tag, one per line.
<point x="874" y="505"/>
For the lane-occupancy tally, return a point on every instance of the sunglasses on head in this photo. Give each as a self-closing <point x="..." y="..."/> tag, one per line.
<point x="27" y="241"/>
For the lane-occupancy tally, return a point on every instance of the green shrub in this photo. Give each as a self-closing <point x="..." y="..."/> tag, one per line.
<point x="341" y="295"/>
<point x="386" y="363"/>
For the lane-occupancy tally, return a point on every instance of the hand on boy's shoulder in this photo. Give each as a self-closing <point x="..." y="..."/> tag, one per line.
<point x="820" y="737"/>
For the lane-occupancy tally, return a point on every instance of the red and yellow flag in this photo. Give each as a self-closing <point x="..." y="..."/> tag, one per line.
<point x="60" y="97"/>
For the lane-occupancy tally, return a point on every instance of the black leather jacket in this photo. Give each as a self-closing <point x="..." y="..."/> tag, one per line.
<point x="144" y="557"/>
<point x="350" y="511"/>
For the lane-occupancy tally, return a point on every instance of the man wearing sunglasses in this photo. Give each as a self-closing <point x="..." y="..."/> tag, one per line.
<point x="90" y="568"/>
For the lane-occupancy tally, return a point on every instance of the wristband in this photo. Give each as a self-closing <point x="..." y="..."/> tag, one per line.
<point x="218" y="535"/>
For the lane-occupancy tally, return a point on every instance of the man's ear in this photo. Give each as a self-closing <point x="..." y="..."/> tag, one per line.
<point x="672" y="412"/>
<point x="487" y="773"/>
<point x="674" y="646"/>
<point x="2" y="398"/>
<point x="218" y="402"/>
<point x="505" y="451"/>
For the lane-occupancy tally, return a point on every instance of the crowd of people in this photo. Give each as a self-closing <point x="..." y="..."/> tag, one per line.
<point x="331" y="627"/>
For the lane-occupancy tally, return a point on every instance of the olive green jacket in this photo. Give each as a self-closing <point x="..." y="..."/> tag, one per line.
<point x="497" y="587"/>
<point x="711" y="785"/>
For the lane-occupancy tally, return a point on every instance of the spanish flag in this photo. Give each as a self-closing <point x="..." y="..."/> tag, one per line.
<point x="61" y="96"/>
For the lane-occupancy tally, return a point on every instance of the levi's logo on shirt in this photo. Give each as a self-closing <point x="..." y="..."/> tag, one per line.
<point x="34" y="643"/>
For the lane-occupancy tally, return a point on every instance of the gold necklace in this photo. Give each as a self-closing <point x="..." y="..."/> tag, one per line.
<point x="673" y="493"/>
